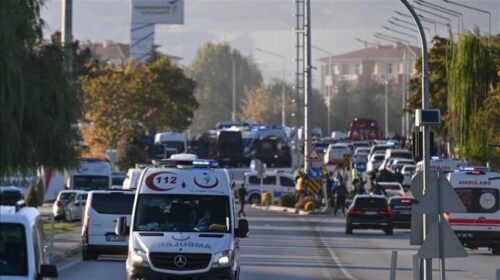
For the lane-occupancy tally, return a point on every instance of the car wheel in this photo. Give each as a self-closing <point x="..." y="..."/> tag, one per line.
<point x="348" y="228"/>
<point x="388" y="231"/>
<point x="87" y="255"/>
<point x="495" y="250"/>
<point x="254" y="199"/>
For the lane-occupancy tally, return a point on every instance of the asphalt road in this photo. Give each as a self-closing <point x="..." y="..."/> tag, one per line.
<point x="286" y="246"/>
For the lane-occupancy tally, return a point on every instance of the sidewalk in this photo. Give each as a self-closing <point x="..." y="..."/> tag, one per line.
<point x="66" y="244"/>
<point x="275" y="208"/>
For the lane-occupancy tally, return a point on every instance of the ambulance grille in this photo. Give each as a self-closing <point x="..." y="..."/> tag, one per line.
<point x="192" y="261"/>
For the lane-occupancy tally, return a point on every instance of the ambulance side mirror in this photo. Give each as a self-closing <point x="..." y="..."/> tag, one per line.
<point x="242" y="230"/>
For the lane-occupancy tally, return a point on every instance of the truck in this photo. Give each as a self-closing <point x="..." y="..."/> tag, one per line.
<point x="363" y="129"/>
<point x="229" y="147"/>
<point x="168" y="143"/>
<point x="91" y="174"/>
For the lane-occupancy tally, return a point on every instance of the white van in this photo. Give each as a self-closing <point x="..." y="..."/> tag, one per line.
<point x="276" y="183"/>
<point x="92" y="174"/>
<point x="22" y="254"/>
<point x="167" y="143"/>
<point x="98" y="230"/>
<point x="480" y="225"/>
<point x="183" y="223"/>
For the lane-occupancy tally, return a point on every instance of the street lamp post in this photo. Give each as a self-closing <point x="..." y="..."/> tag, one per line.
<point x="475" y="9"/>
<point x="283" y="90"/>
<point x="328" y="86"/>
<point x="459" y="16"/>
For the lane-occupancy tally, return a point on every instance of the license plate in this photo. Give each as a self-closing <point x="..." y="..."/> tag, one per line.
<point x="226" y="159"/>
<point x="405" y="212"/>
<point x="115" y="238"/>
<point x="370" y="212"/>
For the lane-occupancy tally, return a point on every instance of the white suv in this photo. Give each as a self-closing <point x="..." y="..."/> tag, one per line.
<point x="22" y="254"/>
<point x="98" y="230"/>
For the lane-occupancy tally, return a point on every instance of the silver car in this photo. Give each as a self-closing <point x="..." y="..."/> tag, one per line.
<point x="69" y="205"/>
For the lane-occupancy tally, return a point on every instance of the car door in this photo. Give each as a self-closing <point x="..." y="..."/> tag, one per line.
<point x="286" y="185"/>
<point x="79" y="206"/>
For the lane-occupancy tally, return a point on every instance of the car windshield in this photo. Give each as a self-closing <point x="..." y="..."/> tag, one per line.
<point x="178" y="145"/>
<point x="88" y="183"/>
<point x="370" y="202"/>
<point x="182" y="213"/>
<point x="13" y="257"/>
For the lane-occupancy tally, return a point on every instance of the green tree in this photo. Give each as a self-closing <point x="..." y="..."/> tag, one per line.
<point x="473" y="75"/>
<point x="264" y="103"/>
<point x="38" y="104"/>
<point x="439" y="55"/>
<point x="212" y="70"/>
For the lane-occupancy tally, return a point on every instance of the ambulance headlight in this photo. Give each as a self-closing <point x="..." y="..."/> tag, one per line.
<point x="138" y="258"/>
<point x="223" y="259"/>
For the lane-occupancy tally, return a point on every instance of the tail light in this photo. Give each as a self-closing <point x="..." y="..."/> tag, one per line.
<point x="86" y="223"/>
<point x="447" y="216"/>
<point x="405" y="201"/>
<point x="354" y="211"/>
<point x="386" y="212"/>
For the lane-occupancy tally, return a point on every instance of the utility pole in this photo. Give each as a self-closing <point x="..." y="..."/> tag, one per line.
<point x="67" y="32"/>
<point x="307" y="82"/>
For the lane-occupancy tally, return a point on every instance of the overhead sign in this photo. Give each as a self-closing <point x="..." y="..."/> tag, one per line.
<point x="158" y="11"/>
<point x="427" y="117"/>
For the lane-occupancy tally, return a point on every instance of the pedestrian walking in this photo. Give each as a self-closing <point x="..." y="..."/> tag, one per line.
<point x="341" y="195"/>
<point x="242" y="193"/>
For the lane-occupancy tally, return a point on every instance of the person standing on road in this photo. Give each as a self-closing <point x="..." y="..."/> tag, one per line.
<point x="341" y="195"/>
<point x="300" y="185"/>
<point x="242" y="193"/>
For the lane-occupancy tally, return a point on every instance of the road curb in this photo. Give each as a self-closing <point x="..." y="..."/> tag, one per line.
<point x="58" y="257"/>
<point x="289" y="210"/>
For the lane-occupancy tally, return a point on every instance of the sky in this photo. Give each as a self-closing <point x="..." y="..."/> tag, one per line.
<point x="265" y="24"/>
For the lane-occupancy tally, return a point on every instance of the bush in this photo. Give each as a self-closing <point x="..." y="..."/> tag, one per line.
<point x="286" y="200"/>
<point x="309" y="206"/>
<point x="266" y="198"/>
<point x="35" y="195"/>
<point x="302" y="201"/>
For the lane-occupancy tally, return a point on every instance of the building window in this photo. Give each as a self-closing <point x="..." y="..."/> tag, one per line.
<point x="345" y="68"/>
<point x="356" y="69"/>
<point x="389" y="68"/>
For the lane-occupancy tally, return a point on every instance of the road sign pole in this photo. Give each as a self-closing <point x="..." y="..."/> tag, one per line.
<point x="440" y="229"/>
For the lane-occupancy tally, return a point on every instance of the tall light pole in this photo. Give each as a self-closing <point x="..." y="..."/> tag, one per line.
<point x="386" y="84"/>
<point x="328" y="86"/>
<point x="283" y="90"/>
<point x="441" y="9"/>
<point x="411" y="29"/>
<point x="307" y="82"/>
<point x="475" y="9"/>
<point x="67" y="32"/>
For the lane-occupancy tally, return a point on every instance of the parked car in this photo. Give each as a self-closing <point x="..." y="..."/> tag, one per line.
<point x="369" y="212"/>
<point x="401" y="210"/>
<point x="400" y="162"/>
<point x="69" y="205"/>
<point x="21" y="236"/>
<point x="98" y="230"/>
<point x="335" y="153"/>
<point x="10" y="195"/>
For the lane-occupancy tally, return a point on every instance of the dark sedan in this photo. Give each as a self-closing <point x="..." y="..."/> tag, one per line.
<point x="401" y="210"/>
<point x="369" y="212"/>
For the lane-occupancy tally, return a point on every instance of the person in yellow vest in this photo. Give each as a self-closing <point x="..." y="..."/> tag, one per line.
<point x="354" y="174"/>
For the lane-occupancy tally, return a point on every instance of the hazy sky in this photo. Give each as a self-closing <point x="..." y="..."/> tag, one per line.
<point x="265" y="24"/>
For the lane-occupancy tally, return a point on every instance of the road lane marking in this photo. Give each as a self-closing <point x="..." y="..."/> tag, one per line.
<point x="335" y="258"/>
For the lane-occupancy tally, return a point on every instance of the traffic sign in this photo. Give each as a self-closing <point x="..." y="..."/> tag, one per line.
<point x="361" y="166"/>
<point x="314" y="173"/>
<point x="314" y="159"/>
<point x="452" y="247"/>
<point x="417" y="183"/>
<point x="313" y="186"/>
<point x="429" y="203"/>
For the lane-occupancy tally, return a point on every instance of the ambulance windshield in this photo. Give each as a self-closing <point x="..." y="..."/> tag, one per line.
<point x="182" y="213"/>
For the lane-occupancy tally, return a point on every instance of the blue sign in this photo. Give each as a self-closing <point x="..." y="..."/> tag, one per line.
<point x="361" y="166"/>
<point x="314" y="173"/>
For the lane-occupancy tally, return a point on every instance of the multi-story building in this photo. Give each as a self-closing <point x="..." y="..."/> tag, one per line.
<point x="383" y="64"/>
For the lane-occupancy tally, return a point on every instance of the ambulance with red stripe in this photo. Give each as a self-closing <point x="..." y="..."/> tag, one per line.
<point x="183" y="223"/>
<point x="480" y="225"/>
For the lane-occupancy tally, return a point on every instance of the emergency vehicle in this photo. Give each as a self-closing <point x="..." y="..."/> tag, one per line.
<point x="480" y="225"/>
<point x="183" y="223"/>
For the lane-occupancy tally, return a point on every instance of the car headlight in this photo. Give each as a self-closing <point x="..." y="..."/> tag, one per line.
<point x="223" y="259"/>
<point x="138" y="257"/>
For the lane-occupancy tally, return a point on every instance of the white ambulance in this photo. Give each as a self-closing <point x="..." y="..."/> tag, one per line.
<point x="183" y="223"/>
<point x="480" y="225"/>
